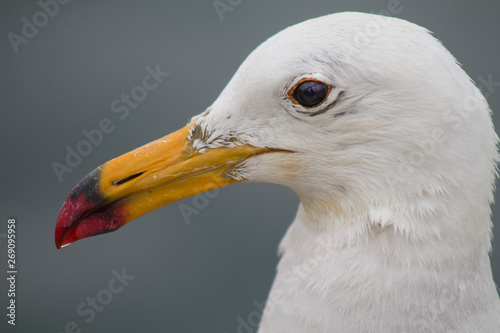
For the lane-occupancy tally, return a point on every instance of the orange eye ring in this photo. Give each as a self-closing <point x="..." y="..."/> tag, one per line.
<point x="309" y="92"/>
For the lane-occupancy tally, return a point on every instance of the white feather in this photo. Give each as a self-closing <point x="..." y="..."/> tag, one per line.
<point x="395" y="180"/>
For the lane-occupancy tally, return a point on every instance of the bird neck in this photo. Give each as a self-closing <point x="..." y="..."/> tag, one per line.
<point x="342" y="277"/>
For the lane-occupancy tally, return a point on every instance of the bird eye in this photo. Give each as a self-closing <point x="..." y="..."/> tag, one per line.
<point x="309" y="93"/>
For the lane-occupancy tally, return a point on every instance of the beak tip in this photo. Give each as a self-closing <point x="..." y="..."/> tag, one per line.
<point x="84" y="213"/>
<point x="61" y="244"/>
<point x="60" y="239"/>
<point x="64" y="229"/>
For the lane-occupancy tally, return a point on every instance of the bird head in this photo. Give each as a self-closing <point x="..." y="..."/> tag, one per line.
<point x="361" y="115"/>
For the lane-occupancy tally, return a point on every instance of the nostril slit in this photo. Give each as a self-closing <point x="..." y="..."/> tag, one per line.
<point x="129" y="178"/>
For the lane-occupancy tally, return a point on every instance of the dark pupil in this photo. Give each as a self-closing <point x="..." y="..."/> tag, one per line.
<point x="310" y="93"/>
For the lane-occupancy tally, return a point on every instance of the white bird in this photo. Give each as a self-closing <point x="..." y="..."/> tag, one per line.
<point x="390" y="147"/>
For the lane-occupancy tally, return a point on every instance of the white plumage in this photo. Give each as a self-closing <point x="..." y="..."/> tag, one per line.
<point x="395" y="173"/>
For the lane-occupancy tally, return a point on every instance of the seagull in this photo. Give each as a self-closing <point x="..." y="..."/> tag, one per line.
<point x="388" y="144"/>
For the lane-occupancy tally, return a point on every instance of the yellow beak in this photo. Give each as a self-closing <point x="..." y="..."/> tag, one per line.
<point x="147" y="178"/>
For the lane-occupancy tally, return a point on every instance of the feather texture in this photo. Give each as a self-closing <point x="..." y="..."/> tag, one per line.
<point x="395" y="179"/>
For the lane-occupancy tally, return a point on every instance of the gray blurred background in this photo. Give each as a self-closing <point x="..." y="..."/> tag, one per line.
<point x="196" y="277"/>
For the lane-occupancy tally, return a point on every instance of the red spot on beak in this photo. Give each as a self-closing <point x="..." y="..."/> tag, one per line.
<point x="85" y="213"/>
